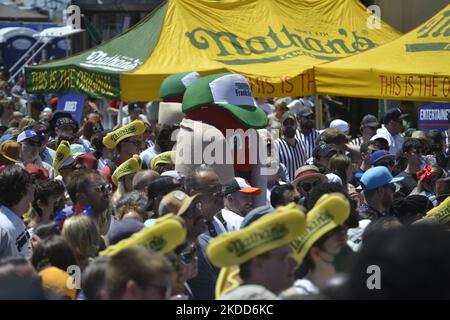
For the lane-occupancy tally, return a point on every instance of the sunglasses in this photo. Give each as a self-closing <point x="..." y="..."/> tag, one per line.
<point x="308" y="186"/>
<point x="104" y="188"/>
<point x="187" y="256"/>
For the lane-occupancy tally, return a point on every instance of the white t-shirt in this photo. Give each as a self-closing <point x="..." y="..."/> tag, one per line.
<point x="305" y="286"/>
<point x="148" y="154"/>
<point x="232" y="219"/>
<point x="395" y="142"/>
<point x="14" y="238"/>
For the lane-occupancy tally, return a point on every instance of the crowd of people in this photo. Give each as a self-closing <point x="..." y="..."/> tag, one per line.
<point x="88" y="212"/>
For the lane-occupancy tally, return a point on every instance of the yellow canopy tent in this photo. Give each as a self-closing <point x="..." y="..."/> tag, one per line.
<point x="415" y="66"/>
<point x="275" y="44"/>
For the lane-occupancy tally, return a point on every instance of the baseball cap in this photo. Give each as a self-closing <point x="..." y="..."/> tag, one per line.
<point x="37" y="171"/>
<point x="239" y="184"/>
<point x="10" y="150"/>
<point x="305" y="112"/>
<point x="123" y="230"/>
<point x="159" y="187"/>
<point x="63" y="122"/>
<point x="380" y="155"/>
<point x="6" y="137"/>
<point x="255" y="214"/>
<point x="287" y="115"/>
<point x="370" y="120"/>
<point x="133" y="106"/>
<point x="377" y="177"/>
<point x="77" y="149"/>
<point x="28" y="134"/>
<point x="341" y="125"/>
<point x="86" y="160"/>
<point x="394" y="114"/>
<point x="176" y="202"/>
<point x="323" y="150"/>
<point x="228" y="91"/>
<point x="176" y="84"/>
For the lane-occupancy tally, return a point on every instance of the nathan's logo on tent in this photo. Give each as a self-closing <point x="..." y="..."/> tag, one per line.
<point x="317" y="45"/>
<point x="439" y="27"/>
<point x="242" y="90"/>
<point x="101" y="60"/>
<point x="258" y="238"/>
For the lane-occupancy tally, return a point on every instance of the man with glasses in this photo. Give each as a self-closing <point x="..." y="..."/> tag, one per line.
<point x="30" y="143"/>
<point x="42" y="128"/>
<point x="378" y="187"/>
<point x="205" y="183"/>
<point x="413" y="151"/>
<point x="291" y="150"/>
<point x="306" y="133"/>
<point x="392" y="129"/>
<point x="306" y="178"/>
<point x="88" y="188"/>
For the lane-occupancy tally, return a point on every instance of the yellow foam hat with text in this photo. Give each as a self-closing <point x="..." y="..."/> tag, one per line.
<point x="135" y="128"/>
<point x="330" y="211"/>
<point x="130" y="166"/>
<point x="441" y="212"/>
<point x="167" y="233"/>
<point x="167" y="157"/>
<point x="63" y="153"/>
<point x="271" y="231"/>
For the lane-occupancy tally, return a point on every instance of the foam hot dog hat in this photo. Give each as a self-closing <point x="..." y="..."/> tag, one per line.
<point x="135" y="128"/>
<point x="63" y="156"/>
<point x="163" y="236"/>
<point x="273" y="230"/>
<point x="130" y="166"/>
<point x="330" y="212"/>
<point x="441" y="212"/>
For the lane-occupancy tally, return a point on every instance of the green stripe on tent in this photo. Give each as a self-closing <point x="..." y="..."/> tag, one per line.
<point x="95" y="72"/>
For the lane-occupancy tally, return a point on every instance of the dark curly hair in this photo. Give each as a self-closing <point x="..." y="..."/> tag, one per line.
<point x="13" y="185"/>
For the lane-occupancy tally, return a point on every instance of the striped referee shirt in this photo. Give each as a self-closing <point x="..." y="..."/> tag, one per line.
<point x="309" y="141"/>
<point x="357" y="141"/>
<point x="293" y="157"/>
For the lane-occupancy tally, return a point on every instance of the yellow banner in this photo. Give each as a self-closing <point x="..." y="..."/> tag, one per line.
<point x="275" y="44"/>
<point x="415" y="66"/>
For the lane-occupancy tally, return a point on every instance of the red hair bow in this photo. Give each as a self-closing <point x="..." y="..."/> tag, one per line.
<point x="424" y="174"/>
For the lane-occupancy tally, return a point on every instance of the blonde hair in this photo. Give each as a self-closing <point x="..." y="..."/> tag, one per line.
<point x="25" y="123"/>
<point x="83" y="237"/>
